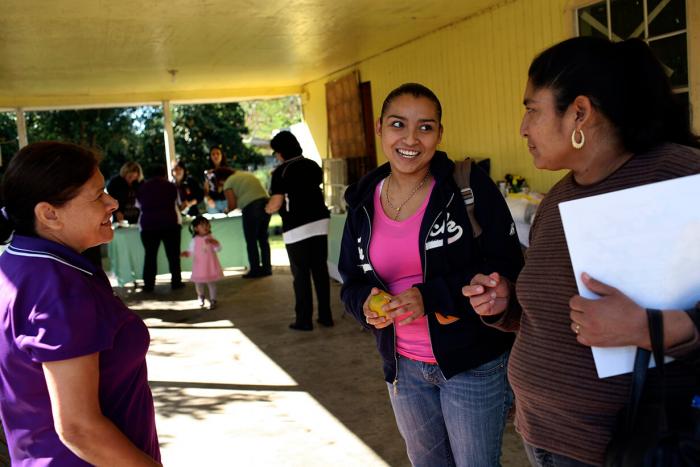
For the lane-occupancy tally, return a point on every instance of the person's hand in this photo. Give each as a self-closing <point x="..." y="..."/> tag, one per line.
<point x="371" y="317"/>
<point x="210" y="202"/>
<point x="613" y="320"/>
<point x="185" y="254"/>
<point x="408" y="305"/>
<point x="119" y="215"/>
<point x="211" y="241"/>
<point x="488" y="295"/>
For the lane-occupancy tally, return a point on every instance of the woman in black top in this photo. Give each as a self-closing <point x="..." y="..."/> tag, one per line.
<point x="296" y="194"/>
<point x="122" y="187"/>
<point x="213" y="191"/>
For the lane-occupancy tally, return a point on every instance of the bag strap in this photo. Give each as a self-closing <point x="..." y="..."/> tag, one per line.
<point x="641" y="365"/>
<point x="462" y="176"/>
<point x="656" y="332"/>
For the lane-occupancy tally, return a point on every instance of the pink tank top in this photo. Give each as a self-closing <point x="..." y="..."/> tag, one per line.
<point x="395" y="256"/>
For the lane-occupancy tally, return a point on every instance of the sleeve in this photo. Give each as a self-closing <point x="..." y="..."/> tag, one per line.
<point x="228" y="184"/>
<point x="276" y="182"/>
<point x="190" y="248"/>
<point x="497" y="249"/>
<point x="692" y="346"/>
<point x="355" y="288"/>
<point x="216" y="248"/>
<point x="65" y="327"/>
<point x="509" y="320"/>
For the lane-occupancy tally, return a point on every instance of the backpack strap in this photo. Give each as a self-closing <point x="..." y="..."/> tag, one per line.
<point x="462" y="176"/>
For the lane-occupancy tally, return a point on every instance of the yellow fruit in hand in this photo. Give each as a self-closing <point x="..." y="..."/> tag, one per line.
<point x="377" y="301"/>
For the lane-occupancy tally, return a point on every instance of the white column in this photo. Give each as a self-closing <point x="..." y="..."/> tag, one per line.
<point x="169" y="137"/>
<point x="21" y="127"/>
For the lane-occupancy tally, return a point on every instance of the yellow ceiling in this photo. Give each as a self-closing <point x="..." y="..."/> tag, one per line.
<point x="92" y="52"/>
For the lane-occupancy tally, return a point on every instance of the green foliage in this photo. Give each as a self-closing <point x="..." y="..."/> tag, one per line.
<point x="136" y="133"/>
<point x="8" y="137"/>
<point x="110" y="131"/>
<point x="265" y="116"/>
<point x="198" y="128"/>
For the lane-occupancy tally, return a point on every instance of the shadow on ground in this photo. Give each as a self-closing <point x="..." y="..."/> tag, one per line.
<point x="339" y="366"/>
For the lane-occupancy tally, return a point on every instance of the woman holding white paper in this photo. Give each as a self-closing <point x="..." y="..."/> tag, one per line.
<point x="604" y="111"/>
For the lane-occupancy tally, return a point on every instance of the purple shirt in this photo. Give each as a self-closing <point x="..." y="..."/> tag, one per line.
<point x="157" y="199"/>
<point x="55" y="306"/>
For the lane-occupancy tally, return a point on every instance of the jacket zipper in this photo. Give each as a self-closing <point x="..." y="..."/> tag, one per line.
<point x="425" y="270"/>
<point x="395" y="384"/>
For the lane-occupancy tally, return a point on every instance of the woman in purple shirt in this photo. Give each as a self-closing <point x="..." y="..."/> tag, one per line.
<point x="72" y="356"/>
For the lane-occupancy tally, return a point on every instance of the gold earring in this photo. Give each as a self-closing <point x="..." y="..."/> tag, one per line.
<point x="577" y="145"/>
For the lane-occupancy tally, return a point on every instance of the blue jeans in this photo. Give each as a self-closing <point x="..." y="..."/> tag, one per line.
<point x="220" y="205"/>
<point x="455" y="422"/>
<point x="542" y="458"/>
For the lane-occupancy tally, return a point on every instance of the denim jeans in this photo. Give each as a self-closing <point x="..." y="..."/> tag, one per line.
<point x="220" y="205"/>
<point x="455" y="422"/>
<point x="255" y="224"/>
<point x="542" y="458"/>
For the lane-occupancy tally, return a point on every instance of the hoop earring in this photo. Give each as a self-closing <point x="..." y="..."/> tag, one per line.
<point x="573" y="139"/>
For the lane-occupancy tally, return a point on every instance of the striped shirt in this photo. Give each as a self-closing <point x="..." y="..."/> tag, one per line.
<point x="561" y="404"/>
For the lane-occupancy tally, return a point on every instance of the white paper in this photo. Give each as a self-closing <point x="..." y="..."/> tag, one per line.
<point x="645" y="241"/>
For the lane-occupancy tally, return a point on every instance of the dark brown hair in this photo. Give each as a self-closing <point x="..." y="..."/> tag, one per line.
<point x="47" y="171"/>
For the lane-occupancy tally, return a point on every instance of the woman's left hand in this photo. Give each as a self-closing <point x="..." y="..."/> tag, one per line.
<point x="613" y="320"/>
<point x="408" y="301"/>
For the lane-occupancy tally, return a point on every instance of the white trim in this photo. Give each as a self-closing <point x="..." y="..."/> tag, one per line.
<point x="13" y="250"/>
<point x="312" y="229"/>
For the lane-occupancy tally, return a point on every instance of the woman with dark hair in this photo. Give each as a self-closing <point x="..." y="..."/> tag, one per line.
<point x="72" y="356"/>
<point x="213" y="191"/>
<point x="159" y="222"/>
<point x="189" y="193"/>
<point x="122" y="187"/>
<point x="605" y="112"/>
<point x="408" y="233"/>
<point x="296" y="193"/>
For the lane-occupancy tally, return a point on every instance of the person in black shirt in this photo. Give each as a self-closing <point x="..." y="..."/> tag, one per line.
<point x="213" y="190"/>
<point x="189" y="192"/>
<point x="122" y="187"/>
<point x="296" y="194"/>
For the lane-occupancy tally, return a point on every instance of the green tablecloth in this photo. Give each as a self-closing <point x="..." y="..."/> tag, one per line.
<point x="126" y="250"/>
<point x="335" y="237"/>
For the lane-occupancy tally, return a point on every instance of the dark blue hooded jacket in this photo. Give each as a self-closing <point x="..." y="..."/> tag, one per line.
<point x="450" y="257"/>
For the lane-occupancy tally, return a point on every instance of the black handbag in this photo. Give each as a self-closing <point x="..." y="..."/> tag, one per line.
<point x="653" y="433"/>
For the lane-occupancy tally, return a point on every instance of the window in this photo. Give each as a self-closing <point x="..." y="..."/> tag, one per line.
<point x="660" y="23"/>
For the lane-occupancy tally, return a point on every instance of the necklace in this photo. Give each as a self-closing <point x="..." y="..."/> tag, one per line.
<point x="415" y="190"/>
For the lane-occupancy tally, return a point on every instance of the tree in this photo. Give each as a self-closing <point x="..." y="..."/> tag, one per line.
<point x="263" y="117"/>
<point x="198" y="128"/>
<point x="136" y="133"/>
<point x="9" y="144"/>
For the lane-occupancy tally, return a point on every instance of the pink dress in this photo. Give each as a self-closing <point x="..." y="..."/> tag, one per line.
<point x="205" y="262"/>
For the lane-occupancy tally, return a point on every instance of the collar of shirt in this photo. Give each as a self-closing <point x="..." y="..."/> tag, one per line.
<point x="37" y="247"/>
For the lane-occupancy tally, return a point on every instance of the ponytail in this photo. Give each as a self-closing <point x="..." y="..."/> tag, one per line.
<point x="651" y="112"/>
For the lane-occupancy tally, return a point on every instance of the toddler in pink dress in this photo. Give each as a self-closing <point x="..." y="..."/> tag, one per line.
<point x="206" y="268"/>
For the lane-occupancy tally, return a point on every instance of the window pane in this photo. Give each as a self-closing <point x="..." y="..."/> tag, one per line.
<point x="593" y="20"/>
<point x="673" y="53"/>
<point x="670" y="19"/>
<point x="627" y="17"/>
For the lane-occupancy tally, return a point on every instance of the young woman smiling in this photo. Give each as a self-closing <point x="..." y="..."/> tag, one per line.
<point x="407" y="232"/>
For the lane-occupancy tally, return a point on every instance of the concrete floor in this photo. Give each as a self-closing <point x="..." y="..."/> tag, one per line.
<point x="235" y="386"/>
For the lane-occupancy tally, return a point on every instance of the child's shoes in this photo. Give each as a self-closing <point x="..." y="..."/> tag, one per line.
<point x="202" y="304"/>
<point x="212" y="304"/>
